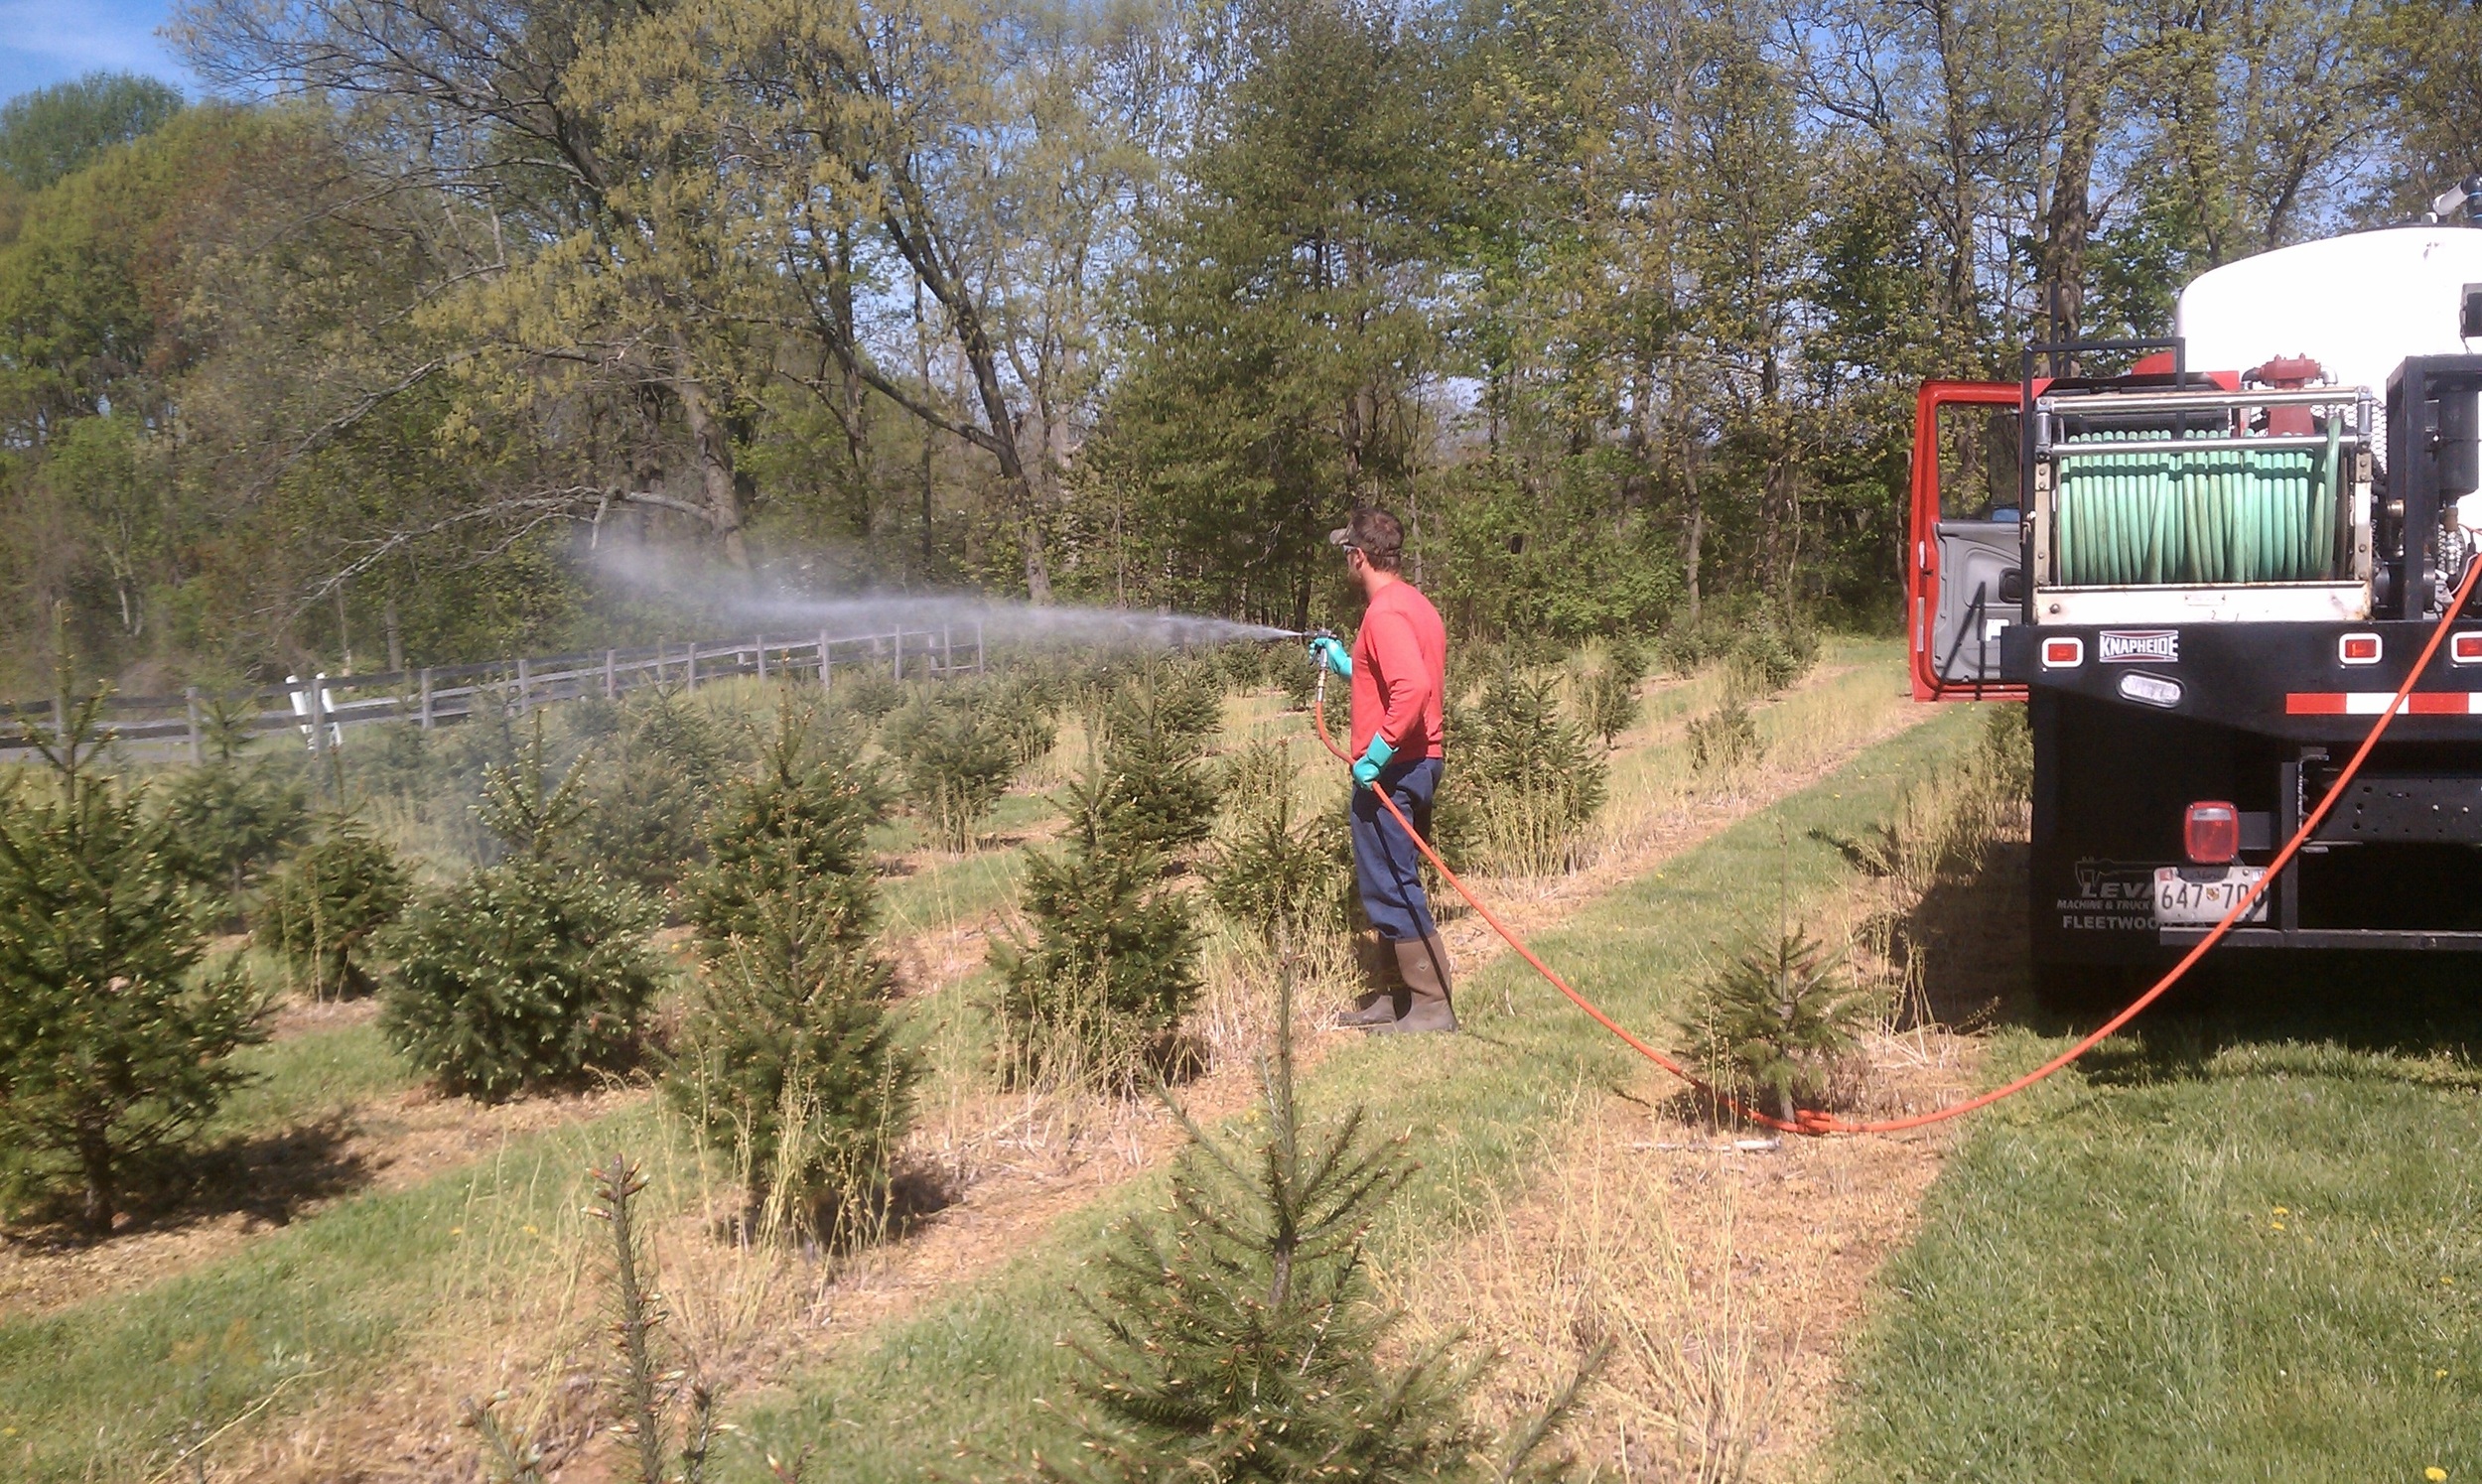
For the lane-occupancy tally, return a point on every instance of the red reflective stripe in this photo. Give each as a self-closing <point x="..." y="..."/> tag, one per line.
<point x="2371" y="703"/>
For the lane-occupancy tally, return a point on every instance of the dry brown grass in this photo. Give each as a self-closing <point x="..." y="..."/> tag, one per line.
<point x="1011" y="1165"/>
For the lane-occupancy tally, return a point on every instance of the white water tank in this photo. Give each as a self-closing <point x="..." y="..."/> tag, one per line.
<point x="2357" y="305"/>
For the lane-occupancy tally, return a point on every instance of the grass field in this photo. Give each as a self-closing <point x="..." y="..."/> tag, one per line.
<point x="428" y="1287"/>
<point x="2242" y="1243"/>
<point x="974" y="1371"/>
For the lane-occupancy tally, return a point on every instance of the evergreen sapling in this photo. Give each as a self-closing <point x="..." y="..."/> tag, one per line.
<point x="528" y="972"/>
<point x="231" y="817"/>
<point x="1282" y="874"/>
<point x="323" y="907"/>
<point x="1241" y="1340"/>
<point x="1533" y="780"/>
<point x="113" y="1043"/>
<point x="1772" y="1023"/>
<point x="789" y="1051"/>
<point x="957" y="760"/>
<point x="1159" y="793"/>
<point x="1097" y="995"/>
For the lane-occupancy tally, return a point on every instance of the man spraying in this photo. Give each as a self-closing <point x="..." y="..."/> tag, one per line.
<point x="1399" y="670"/>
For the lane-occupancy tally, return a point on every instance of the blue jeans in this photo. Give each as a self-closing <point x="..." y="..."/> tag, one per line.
<point x="1386" y="865"/>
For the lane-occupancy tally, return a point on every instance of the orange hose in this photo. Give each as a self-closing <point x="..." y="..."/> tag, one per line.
<point x="1808" y="1121"/>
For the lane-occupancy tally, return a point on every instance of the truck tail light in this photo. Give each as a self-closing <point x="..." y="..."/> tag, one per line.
<point x="2211" y="834"/>
<point x="2063" y="654"/>
<point x="2357" y="649"/>
<point x="2466" y="648"/>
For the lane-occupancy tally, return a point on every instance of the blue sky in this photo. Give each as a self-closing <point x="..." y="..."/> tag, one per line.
<point x="43" y="42"/>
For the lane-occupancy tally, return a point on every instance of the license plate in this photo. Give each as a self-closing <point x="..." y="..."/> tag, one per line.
<point x="2200" y="899"/>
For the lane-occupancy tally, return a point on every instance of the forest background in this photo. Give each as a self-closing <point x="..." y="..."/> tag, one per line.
<point x="1621" y="304"/>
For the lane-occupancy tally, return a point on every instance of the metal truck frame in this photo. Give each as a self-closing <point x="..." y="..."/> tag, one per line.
<point x="2184" y="729"/>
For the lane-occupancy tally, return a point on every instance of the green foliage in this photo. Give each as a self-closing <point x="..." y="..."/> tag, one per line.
<point x="788" y="1051"/>
<point x="525" y="973"/>
<point x="1531" y="776"/>
<point x="231" y="817"/>
<point x="648" y="801"/>
<point x="864" y="691"/>
<point x="789" y="1054"/>
<point x="1159" y="792"/>
<point x="1725" y="739"/>
<point x="52" y="131"/>
<point x="1242" y="1339"/>
<point x="1282" y="874"/>
<point x="1298" y="677"/>
<point x="799" y="819"/>
<point x="1608" y="694"/>
<point x="1097" y="994"/>
<point x="645" y="1384"/>
<point x="1772" y="1023"/>
<point x="323" y="909"/>
<point x="1023" y="710"/>
<point x="957" y="756"/>
<point x="113" y="1043"/>
<point x="1243" y="663"/>
<point x="1266" y="378"/>
<point x="1773" y="650"/>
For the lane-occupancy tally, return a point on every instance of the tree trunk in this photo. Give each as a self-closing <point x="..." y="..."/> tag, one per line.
<point x="1695" y="538"/>
<point x="94" y="1159"/>
<point x="715" y="484"/>
<point x="2060" y="258"/>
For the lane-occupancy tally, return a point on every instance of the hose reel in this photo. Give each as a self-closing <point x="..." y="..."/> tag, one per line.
<point x="2208" y="515"/>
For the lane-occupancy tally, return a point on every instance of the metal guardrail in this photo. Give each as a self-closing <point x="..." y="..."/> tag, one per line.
<point x="323" y="706"/>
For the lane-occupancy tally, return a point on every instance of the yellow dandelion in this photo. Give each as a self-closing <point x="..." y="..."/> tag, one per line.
<point x="2440" y="1373"/>
<point x="2434" y="1473"/>
<point x="2279" y="1225"/>
<point x="457" y="1231"/>
<point x="2283" y="1210"/>
<point x="531" y="1232"/>
<point x="2450" y="1281"/>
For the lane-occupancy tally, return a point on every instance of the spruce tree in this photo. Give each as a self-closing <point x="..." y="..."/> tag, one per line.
<point x="789" y="1050"/>
<point x="1533" y="779"/>
<point x="1772" y="1023"/>
<point x="1240" y="1340"/>
<point x="1160" y="793"/>
<point x="231" y="817"/>
<point x="1279" y="872"/>
<point x="323" y="909"/>
<point x="805" y="813"/>
<point x="957" y="756"/>
<point x="530" y="972"/>
<point x="113" y="1043"/>
<point x="1098" y="991"/>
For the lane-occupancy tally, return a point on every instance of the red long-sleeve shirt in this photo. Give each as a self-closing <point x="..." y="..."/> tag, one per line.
<point x="1400" y="673"/>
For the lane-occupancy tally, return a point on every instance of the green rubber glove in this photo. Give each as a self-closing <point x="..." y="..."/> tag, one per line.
<point x="1373" y="758"/>
<point x="1328" y="650"/>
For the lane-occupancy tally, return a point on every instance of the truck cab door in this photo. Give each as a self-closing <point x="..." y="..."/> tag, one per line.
<point x="1964" y="570"/>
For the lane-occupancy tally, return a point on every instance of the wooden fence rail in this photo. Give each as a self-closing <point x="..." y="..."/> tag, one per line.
<point x="324" y="707"/>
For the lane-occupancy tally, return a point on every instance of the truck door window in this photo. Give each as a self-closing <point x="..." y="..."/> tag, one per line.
<point x="1977" y="463"/>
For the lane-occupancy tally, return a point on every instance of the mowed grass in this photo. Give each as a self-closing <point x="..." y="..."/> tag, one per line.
<point x="2242" y="1243"/>
<point x="974" y="1371"/>
<point x="116" y="1388"/>
<point x="311" y="1074"/>
<point x="311" y="1317"/>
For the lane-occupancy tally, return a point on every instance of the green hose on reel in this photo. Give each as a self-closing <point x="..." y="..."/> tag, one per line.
<point x="2201" y="515"/>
